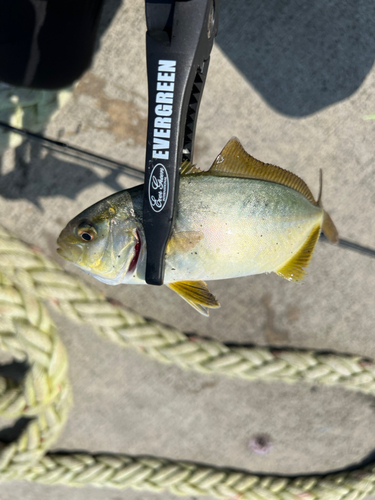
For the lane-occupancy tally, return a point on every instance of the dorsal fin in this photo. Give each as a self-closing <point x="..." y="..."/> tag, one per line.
<point x="233" y="161"/>
<point x="187" y="168"/>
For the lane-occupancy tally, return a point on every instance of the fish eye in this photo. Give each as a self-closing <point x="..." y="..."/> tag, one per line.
<point x="86" y="236"/>
<point x="86" y="231"/>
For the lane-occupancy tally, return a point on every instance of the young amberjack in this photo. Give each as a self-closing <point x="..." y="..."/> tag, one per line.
<point x="240" y="217"/>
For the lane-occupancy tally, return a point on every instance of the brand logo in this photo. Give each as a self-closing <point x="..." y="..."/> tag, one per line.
<point x="163" y="109"/>
<point x="158" y="188"/>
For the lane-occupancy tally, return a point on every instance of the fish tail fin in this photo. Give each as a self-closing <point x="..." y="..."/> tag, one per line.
<point x="328" y="227"/>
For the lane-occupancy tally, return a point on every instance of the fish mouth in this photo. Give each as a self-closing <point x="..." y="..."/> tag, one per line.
<point x="72" y="254"/>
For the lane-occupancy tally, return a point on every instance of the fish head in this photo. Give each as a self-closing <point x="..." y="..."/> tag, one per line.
<point x="104" y="240"/>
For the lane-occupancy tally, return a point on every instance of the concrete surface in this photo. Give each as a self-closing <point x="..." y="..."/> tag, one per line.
<point x="127" y="403"/>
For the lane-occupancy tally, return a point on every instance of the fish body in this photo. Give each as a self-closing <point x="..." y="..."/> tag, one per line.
<point x="242" y="217"/>
<point x="226" y="228"/>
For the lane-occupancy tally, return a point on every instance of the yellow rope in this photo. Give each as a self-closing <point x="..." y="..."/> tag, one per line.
<point x="28" y="333"/>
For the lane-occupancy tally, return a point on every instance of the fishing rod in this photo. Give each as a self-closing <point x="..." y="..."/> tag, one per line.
<point x="350" y="245"/>
<point x="105" y="162"/>
<point x="72" y="151"/>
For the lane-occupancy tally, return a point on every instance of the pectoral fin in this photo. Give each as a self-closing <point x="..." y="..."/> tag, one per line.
<point x="196" y="294"/>
<point x="293" y="269"/>
<point x="183" y="241"/>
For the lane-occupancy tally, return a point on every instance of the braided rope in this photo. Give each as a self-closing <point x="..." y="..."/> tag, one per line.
<point x="27" y="332"/>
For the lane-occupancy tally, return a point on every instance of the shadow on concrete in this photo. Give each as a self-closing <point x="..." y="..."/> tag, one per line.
<point x="12" y="433"/>
<point x="109" y="10"/>
<point x="35" y="176"/>
<point x="15" y="370"/>
<point x="300" y="56"/>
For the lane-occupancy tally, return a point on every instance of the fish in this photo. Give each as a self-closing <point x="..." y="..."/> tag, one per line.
<point x="241" y="217"/>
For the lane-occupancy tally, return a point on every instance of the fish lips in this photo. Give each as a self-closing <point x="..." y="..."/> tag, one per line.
<point x="72" y="253"/>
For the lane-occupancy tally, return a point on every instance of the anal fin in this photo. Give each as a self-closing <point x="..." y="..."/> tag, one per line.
<point x="294" y="268"/>
<point x="196" y="293"/>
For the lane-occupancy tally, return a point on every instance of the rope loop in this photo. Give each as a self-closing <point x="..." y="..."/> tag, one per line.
<point x="44" y="396"/>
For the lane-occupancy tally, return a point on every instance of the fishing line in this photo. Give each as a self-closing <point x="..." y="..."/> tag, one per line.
<point x="102" y="161"/>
